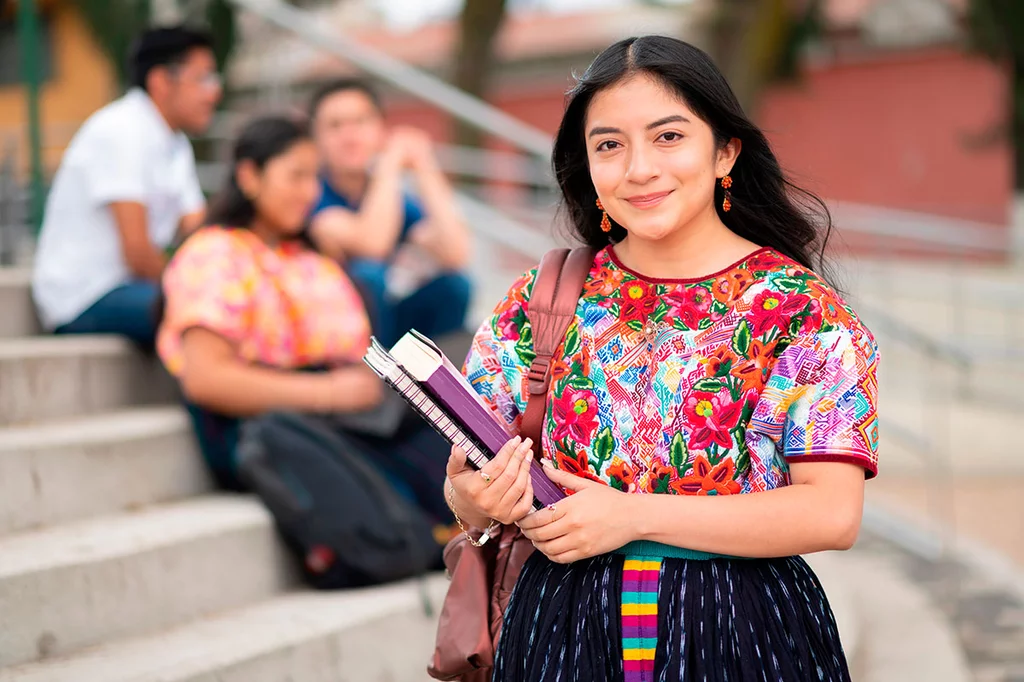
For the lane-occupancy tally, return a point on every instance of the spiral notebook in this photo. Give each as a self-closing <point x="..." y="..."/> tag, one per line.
<point x="417" y="369"/>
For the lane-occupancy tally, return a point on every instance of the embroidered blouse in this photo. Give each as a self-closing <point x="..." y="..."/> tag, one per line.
<point x="709" y="386"/>
<point x="284" y="307"/>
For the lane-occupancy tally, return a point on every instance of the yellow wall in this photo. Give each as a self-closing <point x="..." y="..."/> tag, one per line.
<point x="82" y="81"/>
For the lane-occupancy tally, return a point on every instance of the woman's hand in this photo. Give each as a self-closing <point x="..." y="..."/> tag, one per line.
<point x="501" y="490"/>
<point x="353" y="389"/>
<point x="590" y="522"/>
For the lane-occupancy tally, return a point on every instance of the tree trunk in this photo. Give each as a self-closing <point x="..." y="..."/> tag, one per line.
<point x="478" y="26"/>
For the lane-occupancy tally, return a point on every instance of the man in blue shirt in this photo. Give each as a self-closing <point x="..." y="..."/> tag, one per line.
<point x="365" y="217"/>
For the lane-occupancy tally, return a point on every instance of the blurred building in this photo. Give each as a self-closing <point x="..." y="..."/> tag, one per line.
<point x="78" y="78"/>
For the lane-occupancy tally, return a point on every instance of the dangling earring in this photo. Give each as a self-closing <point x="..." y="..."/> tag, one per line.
<point x="727" y="201"/>
<point x="606" y="225"/>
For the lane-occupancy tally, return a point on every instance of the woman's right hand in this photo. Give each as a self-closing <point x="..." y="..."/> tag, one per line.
<point x="501" y="490"/>
<point x="353" y="389"/>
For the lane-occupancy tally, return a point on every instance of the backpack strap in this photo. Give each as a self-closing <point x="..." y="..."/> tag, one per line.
<point x="551" y="309"/>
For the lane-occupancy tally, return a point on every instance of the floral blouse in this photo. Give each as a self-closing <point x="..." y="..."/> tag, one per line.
<point x="285" y="307"/>
<point x="693" y="387"/>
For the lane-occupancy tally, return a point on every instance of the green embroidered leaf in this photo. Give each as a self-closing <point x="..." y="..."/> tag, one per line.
<point x="741" y="338"/>
<point x="635" y="325"/>
<point x="789" y="284"/>
<point x="724" y="368"/>
<point x="709" y="385"/>
<point x="743" y="458"/>
<point x="572" y="340"/>
<point x="604" y="445"/>
<point x="705" y="323"/>
<point x="660" y="485"/>
<point x="679" y="455"/>
<point x="618" y="484"/>
<point x="577" y="380"/>
<point x="719" y="307"/>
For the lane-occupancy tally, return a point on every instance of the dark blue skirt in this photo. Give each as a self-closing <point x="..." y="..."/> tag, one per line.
<point x="621" y="618"/>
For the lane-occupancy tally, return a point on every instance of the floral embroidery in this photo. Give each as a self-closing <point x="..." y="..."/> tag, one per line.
<point x="750" y="369"/>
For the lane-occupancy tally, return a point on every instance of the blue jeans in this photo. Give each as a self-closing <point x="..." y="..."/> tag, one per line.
<point x="129" y="310"/>
<point x="437" y="308"/>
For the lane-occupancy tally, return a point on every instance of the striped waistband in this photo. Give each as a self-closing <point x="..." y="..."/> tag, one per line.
<point x="646" y="548"/>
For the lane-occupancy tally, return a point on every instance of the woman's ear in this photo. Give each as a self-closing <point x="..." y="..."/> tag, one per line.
<point x="248" y="178"/>
<point x="727" y="156"/>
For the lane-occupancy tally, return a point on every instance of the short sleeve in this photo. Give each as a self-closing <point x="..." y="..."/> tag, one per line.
<point x="820" y="403"/>
<point x="500" y="356"/>
<point x="205" y="285"/>
<point x="118" y="173"/>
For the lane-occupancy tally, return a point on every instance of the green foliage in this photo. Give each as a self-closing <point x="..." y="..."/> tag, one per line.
<point x="115" y="23"/>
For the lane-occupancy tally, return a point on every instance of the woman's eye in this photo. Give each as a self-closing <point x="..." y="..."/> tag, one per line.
<point x="671" y="137"/>
<point x="606" y="145"/>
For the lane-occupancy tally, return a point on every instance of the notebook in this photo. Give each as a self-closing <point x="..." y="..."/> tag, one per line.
<point x="417" y="369"/>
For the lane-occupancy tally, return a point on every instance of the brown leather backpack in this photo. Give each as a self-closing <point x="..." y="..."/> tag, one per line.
<point x="482" y="578"/>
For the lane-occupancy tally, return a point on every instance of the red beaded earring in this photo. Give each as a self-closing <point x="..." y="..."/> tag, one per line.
<point x="727" y="201"/>
<point x="606" y="224"/>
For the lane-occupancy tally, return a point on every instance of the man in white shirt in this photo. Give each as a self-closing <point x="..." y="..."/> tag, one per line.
<point x="126" y="187"/>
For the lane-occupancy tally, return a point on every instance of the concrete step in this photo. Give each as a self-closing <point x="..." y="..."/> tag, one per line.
<point x="83" y="584"/>
<point x="901" y="636"/>
<point x="53" y="377"/>
<point x="61" y="471"/>
<point x="19" y="313"/>
<point x="375" y="634"/>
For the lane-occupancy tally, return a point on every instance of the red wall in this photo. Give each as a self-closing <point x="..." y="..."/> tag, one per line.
<point x="894" y="131"/>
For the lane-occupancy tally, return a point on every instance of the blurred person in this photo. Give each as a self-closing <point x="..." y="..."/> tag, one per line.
<point x="256" y="321"/>
<point x="714" y="412"/>
<point x="125" y="189"/>
<point x="365" y="217"/>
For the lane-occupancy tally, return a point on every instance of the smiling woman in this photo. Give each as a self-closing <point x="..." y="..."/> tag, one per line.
<point x="713" y="407"/>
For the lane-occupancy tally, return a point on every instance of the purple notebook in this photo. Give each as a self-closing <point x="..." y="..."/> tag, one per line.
<point x="450" y="393"/>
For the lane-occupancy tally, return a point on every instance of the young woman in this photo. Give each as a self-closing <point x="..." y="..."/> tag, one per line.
<point x="712" y="408"/>
<point x="251" y="309"/>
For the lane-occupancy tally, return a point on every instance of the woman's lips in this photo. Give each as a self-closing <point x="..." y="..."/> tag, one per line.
<point x="644" y="201"/>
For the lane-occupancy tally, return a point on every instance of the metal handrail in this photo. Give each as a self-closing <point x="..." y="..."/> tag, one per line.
<point x="461" y="105"/>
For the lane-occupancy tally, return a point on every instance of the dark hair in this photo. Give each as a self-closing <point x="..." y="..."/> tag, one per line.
<point x="766" y="208"/>
<point x="344" y="85"/>
<point x="168" y="46"/>
<point x="260" y="141"/>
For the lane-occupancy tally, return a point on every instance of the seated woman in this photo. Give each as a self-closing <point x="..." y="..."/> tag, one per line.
<point x="250" y="309"/>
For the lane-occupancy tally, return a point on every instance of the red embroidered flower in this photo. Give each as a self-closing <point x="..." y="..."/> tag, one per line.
<point x="577" y="466"/>
<point x="638" y="301"/>
<point x="811" y="323"/>
<point x="575" y="414"/>
<point x="707" y="480"/>
<point x="691" y="305"/>
<point x="763" y="261"/>
<point x="604" y="282"/>
<point x="711" y="416"/>
<point x="774" y="309"/>
<point x="508" y="324"/>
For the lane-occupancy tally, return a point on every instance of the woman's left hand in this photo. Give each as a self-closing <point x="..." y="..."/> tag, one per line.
<point x="590" y="522"/>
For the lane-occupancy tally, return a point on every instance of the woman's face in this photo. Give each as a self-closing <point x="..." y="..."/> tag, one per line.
<point x="653" y="162"/>
<point x="288" y="188"/>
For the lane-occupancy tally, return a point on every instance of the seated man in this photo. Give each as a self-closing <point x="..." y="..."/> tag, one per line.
<point x="126" y="187"/>
<point x="365" y="217"/>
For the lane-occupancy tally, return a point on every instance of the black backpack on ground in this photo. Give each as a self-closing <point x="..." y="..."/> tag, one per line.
<point x="331" y="499"/>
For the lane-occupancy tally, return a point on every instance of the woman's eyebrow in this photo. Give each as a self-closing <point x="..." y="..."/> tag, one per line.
<point x="606" y="130"/>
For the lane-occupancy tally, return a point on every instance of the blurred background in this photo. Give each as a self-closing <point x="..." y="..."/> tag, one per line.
<point x="907" y="116"/>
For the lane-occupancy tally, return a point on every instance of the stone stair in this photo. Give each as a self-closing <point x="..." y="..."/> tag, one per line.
<point x="118" y="561"/>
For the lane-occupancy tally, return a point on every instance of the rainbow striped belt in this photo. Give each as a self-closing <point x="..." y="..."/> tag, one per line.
<point x="640" y="575"/>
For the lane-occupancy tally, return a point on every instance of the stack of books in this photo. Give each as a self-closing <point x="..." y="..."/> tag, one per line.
<point x="417" y="369"/>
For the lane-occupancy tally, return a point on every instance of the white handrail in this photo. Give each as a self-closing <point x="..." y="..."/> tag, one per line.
<point x="459" y="104"/>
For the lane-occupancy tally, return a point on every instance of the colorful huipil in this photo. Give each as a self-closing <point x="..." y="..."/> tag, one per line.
<point x="710" y="386"/>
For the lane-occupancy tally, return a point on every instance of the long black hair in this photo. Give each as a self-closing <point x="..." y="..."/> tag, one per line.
<point x="261" y="140"/>
<point x="767" y="209"/>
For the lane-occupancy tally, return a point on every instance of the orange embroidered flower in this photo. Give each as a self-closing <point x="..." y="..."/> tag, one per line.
<point x="659" y="479"/>
<point x="722" y="357"/>
<point x="604" y="283"/>
<point x="621" y="475"/>
<point x="731" y="285"/>
<point x="708" y="480"/>
<point x="753" y="371"/>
